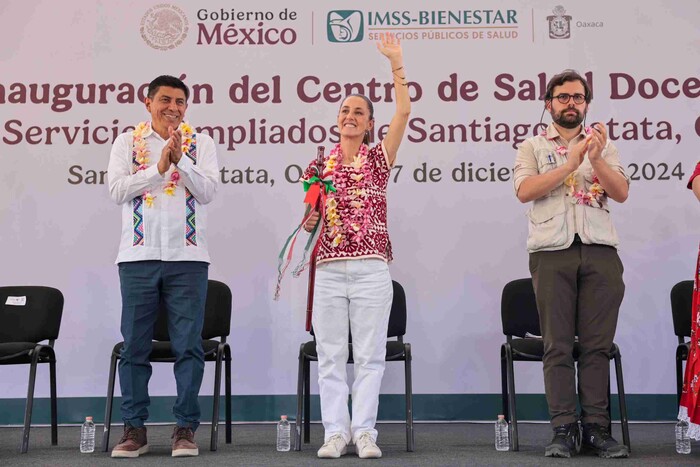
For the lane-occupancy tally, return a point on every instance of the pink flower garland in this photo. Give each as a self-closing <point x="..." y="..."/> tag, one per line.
<point x="143" y="159"/>
<point x="595" y="195"/>
<point x="347" y="210"/>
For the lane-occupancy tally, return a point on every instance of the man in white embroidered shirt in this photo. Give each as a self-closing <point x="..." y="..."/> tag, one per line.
<point x="162" y="174"/>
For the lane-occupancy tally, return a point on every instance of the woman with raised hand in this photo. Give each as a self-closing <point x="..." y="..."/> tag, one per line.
<point x="353" y="290"/>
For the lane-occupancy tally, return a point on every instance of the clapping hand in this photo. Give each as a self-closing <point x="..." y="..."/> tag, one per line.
<point x="598" y="140"/>
<point x="175" y="145"/>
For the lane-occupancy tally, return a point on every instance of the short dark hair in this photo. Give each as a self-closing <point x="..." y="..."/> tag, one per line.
<point x="565" y="77"/>
<point x="168" y="81"/>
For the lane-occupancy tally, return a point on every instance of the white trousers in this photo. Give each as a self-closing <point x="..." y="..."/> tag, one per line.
<point x="351" y="296"/>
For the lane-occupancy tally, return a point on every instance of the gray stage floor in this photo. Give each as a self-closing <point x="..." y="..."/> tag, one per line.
<point x="436" y="445"/>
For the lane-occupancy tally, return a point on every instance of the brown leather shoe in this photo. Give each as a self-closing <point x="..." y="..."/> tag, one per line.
<point x="183" y="442"/>
<point x="132" y="444"/>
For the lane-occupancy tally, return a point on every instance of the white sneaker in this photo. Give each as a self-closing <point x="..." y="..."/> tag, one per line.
<point x="333" y="448"/>
<point x="366" y="448"/>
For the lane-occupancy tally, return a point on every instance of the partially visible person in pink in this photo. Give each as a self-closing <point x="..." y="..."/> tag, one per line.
<point x="693" y="184"/>
<point x="689" y="409"/>
<point x="353" y="291"/>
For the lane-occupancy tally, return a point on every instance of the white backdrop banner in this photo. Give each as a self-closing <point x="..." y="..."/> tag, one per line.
<point x="267" y="79"/>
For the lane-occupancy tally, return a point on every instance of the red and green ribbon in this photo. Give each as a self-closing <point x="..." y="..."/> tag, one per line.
<point x="316" y="190"/>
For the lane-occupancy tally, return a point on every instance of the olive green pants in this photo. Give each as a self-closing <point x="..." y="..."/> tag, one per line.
<point x="579" y="291"/>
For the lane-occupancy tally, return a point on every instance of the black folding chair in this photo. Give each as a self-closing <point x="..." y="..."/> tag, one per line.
<point x="396" y="350"/>
<point x="520" y="319"/>
<point x="217" y="324"/>
<point x="29" y="315"/>
<point x="681" y="308"/>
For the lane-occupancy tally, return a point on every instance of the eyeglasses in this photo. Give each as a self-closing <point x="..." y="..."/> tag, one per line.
<point x="564" y="98"/>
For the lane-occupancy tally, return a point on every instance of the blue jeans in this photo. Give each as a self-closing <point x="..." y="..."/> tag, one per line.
<point x="182" y="286"/>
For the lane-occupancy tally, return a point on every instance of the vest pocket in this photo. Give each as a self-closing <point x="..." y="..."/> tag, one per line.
<point x="547" y="226"/>
<point x="598" y="226"/>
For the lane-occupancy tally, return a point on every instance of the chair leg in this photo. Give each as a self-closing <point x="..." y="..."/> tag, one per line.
<point x="409" y="399"/>
<point x="511" y="398"/>
<point x="623" y="403"/>
<point x="300" y="400"/>
<point x="54" y="401"/>
<point x="227" y="401"/>
<point x="679" y="374"/>
<point x="108" y="404"/>
<point x="30" y="402"/>
<point x="504" y="385"/>
<point x="213" y="444"/>
<point x="307" y="400"/>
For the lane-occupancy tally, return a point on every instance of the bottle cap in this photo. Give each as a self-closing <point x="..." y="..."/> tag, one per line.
<point x="88" y="419"/>
<point x="501" y="416"/>
<point x="283" y="417"/>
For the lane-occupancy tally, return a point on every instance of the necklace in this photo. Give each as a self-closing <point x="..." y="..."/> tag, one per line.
<point x="141" y="159"/>
<point x="595" y="195"/>
<point x="347" y="210"/>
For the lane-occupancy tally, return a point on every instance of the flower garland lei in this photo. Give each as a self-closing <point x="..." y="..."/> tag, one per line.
<point x="143" y="159"/>
<point x="595" y="195"/>
<point x="351" y="220"/>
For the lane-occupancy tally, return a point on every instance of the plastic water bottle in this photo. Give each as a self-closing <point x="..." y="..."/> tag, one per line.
<point x="284" y="440"/>
<point x="87" y="436"/>
<point x="502" y="443"/>
<point x="682" y="440"/>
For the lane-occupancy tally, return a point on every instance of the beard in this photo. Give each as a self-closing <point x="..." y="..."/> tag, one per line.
<point x="568" y="121"/>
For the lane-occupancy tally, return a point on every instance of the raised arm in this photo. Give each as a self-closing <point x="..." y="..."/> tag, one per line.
<point x="390" y="47"/>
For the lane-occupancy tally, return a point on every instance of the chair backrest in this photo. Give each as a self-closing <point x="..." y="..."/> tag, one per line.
<point x="519" y="309"/>
<point x="681" y="307"/>
<point x="217" y="314"/>
<point x="37" y="319"/>
<point x="397" y="316"/>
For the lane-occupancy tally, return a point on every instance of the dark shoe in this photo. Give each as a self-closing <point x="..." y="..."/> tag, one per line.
<point x="597" y="438"/>
<point x="183" y="442"/>
<point x="566" y="441"/>
<point x="132" y="444"/>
